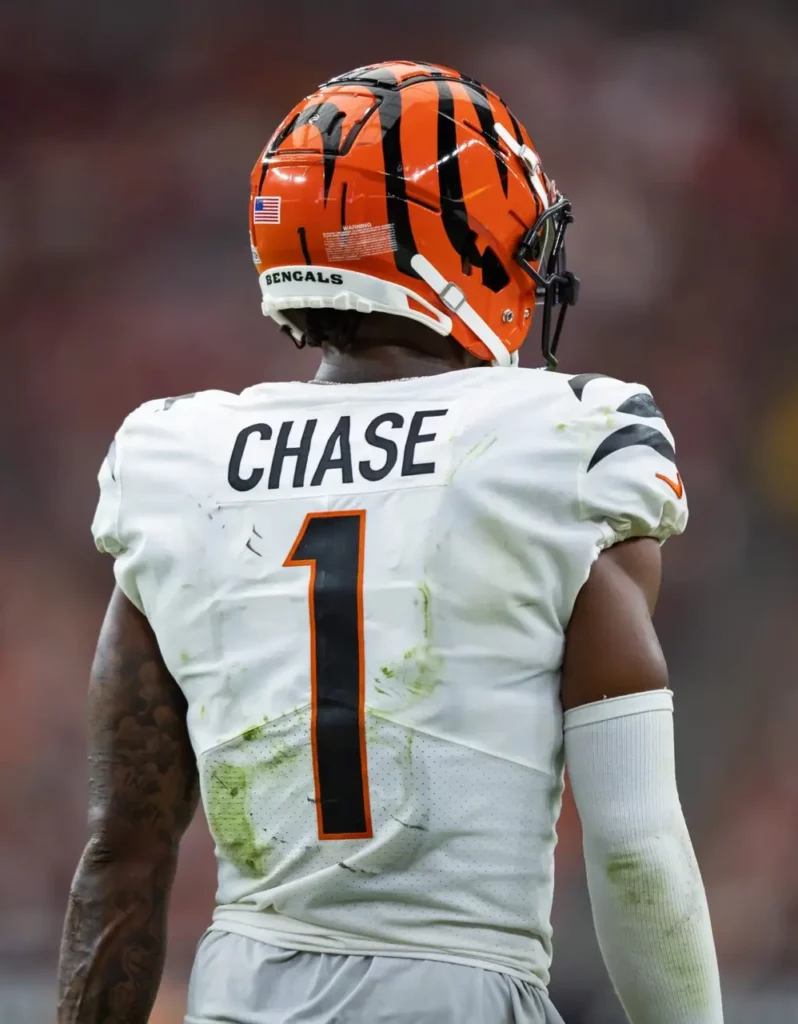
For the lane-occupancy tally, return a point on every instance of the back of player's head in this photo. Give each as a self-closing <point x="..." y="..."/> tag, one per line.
<point x="411" y="190"/>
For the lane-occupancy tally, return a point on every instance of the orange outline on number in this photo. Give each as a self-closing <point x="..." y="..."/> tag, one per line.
<point x="289" y="562"/>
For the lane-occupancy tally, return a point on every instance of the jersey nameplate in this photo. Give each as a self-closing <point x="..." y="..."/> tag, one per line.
<point x="339" y="453"/>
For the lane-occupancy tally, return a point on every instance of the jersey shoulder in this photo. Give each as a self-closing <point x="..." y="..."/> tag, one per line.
<point x="171" y="413"/>
<point x="568" y="398"/>
<point x="628" y="481"/>
<point x="599" y="443"/>
<point x="577" y="392"/>
<point x="583" y="392"/>
<point x="165" y="426"/>
<point x="149" y="438"/>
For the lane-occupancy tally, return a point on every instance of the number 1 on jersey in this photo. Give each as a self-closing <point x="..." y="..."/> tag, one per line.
<point x="332" y="544"/>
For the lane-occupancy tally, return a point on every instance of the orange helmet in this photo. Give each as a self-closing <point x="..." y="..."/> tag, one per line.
<point x="410" y="189"/>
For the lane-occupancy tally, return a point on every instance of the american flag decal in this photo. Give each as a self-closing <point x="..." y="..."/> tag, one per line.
<point x="267" y="209"/>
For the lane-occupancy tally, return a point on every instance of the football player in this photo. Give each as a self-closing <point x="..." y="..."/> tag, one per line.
<point x="370" y="617"/>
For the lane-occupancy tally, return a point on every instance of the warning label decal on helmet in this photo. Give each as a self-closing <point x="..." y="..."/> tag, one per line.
<point x="359" y="240"/>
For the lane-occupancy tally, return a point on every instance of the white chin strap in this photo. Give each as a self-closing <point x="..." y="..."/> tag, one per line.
<point x="454" y="299"/>
<point x="530" y="160"/>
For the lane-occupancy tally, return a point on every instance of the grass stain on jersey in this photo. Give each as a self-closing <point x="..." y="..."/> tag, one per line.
<point x="230" y="822"/>
<point x="418" y="673"/>
<point x="425" y="605"/>
<point x="185" y="657"/>
<point x="257" y="732"/>
<point x="381" y="731"/>
<point x="476" y="451"/>
<point x="609" y="414"/>
<point x="282" y="756"/>
<point x="424" y="672"/>
<point x="502" y="576"/>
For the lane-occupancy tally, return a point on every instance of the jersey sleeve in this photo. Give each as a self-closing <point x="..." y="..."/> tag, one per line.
<point x="109" y="527"/>
<point x="628" y="481"/>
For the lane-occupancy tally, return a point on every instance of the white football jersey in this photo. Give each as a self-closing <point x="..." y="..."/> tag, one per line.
<point x="363" y="592"/>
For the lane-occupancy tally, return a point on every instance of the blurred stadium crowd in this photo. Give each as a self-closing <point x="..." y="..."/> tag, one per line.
<point x="127" y="133"/>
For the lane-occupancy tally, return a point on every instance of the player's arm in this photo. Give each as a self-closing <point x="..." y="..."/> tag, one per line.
<point x="649" y="903"/>
<point x="143" y="792"/>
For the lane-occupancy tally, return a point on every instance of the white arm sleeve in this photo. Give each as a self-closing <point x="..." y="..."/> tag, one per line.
<point x="649" y="904"/>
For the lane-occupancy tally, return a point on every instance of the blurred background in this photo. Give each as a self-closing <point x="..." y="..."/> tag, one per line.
<point x="127" y="133"/>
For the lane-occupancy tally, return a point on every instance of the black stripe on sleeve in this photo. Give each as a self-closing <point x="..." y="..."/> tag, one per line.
<point x="110" y="458"/>
<point x="628" y="437"/>
<point x="641" y="405"/>
<point x="169" y="402"/>
<point x="579" y="382"/>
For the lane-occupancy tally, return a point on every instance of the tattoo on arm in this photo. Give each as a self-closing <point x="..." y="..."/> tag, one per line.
<point x="143" y="793"/>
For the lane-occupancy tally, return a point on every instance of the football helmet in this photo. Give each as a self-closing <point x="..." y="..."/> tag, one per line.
<point x="410" y="189"/>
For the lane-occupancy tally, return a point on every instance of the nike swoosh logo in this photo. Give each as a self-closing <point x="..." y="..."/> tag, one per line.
<point x="677" y="488"/>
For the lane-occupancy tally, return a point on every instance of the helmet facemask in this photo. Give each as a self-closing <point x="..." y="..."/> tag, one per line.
<point x="544" y="245"/>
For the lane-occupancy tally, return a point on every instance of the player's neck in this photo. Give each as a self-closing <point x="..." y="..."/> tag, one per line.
<point x="385" y="362"/>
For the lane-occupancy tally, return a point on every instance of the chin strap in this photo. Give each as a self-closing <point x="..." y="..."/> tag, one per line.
<point x="530" y="160"/>
<point x="454" y="299"/>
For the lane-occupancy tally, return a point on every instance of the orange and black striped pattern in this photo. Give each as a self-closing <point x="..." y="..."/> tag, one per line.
<point x="402" y="158"/>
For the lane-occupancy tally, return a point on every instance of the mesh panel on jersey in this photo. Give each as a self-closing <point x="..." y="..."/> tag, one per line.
<point x="462" y="840"/>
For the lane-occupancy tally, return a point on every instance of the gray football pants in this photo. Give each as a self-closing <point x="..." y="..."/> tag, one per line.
<point x="238" y="980"/>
